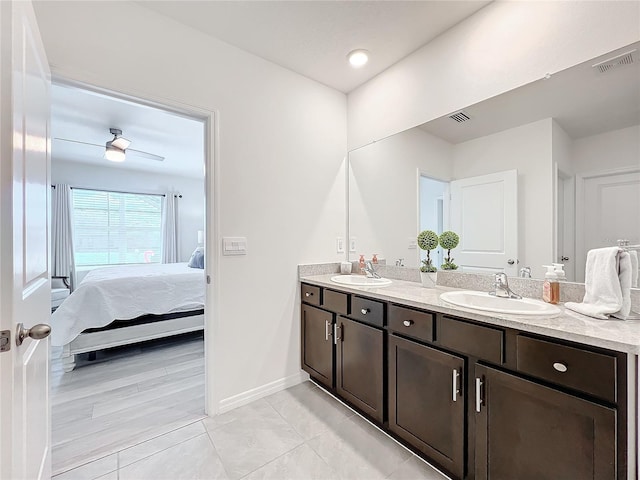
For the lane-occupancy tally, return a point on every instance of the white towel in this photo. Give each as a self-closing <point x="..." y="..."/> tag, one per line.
<point x="634" y="268"/>
<point x="607" y="284"/>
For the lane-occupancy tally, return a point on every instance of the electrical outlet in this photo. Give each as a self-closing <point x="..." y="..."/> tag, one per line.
<point x="339" y="245"/>
<point x="352" y="245"/>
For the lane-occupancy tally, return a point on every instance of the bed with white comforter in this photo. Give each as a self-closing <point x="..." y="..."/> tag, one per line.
<point x="125" y="293"/>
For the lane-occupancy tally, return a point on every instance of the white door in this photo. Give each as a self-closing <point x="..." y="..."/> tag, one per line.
<point x="609" y="211"/>
<point x="484" y="213"/>
<point x="25" y="294"/>
<point x="565" y="227"/>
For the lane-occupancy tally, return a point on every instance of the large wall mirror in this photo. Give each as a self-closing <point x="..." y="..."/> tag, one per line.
<point x="537" y="175"/>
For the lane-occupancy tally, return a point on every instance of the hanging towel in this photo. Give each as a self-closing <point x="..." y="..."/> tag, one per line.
<point x="607" y="284"/>
<point x="634" y="268"/>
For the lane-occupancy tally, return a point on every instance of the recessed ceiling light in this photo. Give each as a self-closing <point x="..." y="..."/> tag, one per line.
<point x="358" y="58"/>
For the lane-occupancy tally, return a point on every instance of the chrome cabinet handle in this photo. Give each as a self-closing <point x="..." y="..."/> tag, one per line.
<point x="364" y="311"/>
<point x="561" y="367"/>
<point x="408" y="323"/>
<point x="455" y="389"/>
<point x="478" y="396"/>
<point x="327" y="326"/>
<point x="308" y="294"/>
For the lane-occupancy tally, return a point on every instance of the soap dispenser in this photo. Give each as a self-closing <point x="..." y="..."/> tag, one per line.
<point x="362" y="269"/>
<point x="558" y="269"/>
<point x="551" y="287"/>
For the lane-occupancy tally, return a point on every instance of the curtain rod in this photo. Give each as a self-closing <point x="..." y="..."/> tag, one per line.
<point x="178" y="195"/>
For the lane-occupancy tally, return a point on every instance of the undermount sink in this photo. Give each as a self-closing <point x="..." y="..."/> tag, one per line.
<point x="360" y="281"/>
<point x="489" y="303"/>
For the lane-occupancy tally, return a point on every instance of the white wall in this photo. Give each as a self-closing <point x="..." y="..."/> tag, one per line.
<point x="607" y="151"/>
<point x="564" y="192"/>
<point x="190" y="206"/>
<point x="501" y="47"/>
<point x="529" y="150"/>
<point x="383" y="192"/>
<point x="282" y="144"/>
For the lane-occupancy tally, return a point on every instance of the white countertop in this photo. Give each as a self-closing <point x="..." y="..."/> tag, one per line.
<point x="618" y="335"/>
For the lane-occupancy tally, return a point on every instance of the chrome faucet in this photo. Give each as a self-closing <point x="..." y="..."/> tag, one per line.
<point x="369" y="271"/>
<point x="525" y="272"/>
<point x="501" y="287"/>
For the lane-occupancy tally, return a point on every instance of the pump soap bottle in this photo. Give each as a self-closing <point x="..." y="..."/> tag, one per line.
<point x="361" y="265"/>
<point x="551" y="286"/>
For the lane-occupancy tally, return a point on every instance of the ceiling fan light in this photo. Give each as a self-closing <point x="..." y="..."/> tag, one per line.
<point x="121" y="143"/>
<point x="114" y="154"/>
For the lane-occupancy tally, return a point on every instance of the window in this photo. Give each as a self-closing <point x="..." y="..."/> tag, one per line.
<point x="112" y="228"/>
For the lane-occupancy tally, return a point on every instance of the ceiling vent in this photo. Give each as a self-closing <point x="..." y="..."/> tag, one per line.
<point x="615" y="62"/>
<point x="460" y="117"/>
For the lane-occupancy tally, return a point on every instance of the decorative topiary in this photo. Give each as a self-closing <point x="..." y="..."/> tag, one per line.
<point x="427" y="240"/>
<point x="449" y="240"/>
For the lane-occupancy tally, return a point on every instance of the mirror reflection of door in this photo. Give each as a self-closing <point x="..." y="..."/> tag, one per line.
<point x="566" y="226"/>
<point x="609" y="211"/>
<point x="433" y="211"/>
<point x="484" y="213"/>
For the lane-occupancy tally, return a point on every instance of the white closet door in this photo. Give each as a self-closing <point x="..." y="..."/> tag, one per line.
<point x="484" y="213"/>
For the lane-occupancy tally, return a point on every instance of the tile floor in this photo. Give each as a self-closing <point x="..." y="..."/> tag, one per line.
<point x="299" y="433"/>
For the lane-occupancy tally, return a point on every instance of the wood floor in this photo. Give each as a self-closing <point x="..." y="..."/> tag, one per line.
<point x="125" y="396"/>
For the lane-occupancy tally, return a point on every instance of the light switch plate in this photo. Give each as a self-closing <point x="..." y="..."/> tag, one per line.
<point x="413" y="243"/>
<point x="234" y="245"/>
<point x="339" y="245"/>
<point x="352" y="244"/>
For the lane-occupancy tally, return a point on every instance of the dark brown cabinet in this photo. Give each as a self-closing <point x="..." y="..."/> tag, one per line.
<point x="426" y="401"/>
<point x="482" y="402"/>
<point x="317" y="344"/>
<point x="359" y="365"/>
<point x="525" y="430"/>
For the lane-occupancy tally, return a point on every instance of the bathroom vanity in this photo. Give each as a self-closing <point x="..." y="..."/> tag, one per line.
<point x="478" y="394"/>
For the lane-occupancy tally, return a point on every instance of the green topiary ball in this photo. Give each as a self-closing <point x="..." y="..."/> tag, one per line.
<point x="428" y="240"/>
<point x="448" y="240"/>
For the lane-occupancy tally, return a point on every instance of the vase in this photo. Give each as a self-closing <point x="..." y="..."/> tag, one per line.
<point x="428" y="279"/>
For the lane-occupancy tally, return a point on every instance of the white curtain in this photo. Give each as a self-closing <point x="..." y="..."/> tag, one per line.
<point x="62" y="262"/>
<point x="170" y="229"/>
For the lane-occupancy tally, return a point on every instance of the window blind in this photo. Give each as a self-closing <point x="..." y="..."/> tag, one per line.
<point x="112" y="228"/>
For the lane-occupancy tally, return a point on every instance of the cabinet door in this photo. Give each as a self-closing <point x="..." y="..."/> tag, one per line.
<point x="528" y="431"/>
<point x="317" y="344"/>
<point x="359" y="365"/>
<point x="426" y="402"/>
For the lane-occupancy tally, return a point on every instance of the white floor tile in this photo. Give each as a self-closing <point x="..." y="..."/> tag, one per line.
<point x="190" y="460"/>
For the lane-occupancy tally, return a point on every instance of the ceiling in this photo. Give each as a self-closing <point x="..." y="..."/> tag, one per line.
<point x="313" y="38"/>
<point x="85" y="116"/>
<point x="583" y="100"/>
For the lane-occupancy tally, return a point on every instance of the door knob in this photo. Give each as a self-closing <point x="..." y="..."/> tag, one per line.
<point x="511" y="261"/>
<point x="37" y="332"/>
<point x="564" y="259"/>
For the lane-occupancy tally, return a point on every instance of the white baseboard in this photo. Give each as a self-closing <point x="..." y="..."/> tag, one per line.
<point x="259" y="392"/>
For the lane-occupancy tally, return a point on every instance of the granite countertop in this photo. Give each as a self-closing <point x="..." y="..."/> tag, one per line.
<point x="618" y="335"/>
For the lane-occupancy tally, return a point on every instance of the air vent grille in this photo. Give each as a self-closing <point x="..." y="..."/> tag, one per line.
<point x="460" y="117"/>
<point x="615" y="62"/>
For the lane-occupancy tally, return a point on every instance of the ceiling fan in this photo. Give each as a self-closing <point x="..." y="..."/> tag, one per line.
<point x="117" y="148"/>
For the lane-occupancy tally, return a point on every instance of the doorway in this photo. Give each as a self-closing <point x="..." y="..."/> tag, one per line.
<point x="433" y="212"/>
<point x="119" y="393"/>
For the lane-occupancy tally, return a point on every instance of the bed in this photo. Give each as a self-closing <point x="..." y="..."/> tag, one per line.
<point x="120" y="305"/>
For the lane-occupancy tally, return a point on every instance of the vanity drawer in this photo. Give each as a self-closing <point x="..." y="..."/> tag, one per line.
<point x="367" y="310"/>
<point x="412" y="323"/>
<point x="485" y="343"/>
<point x="583" y="370"/>
<point x="310" y="294"/>
<point x="336" y="301"/>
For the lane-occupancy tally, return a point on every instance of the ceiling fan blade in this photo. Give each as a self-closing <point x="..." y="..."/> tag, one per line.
<point x="76" y="141"/>
<point x="141" y="154"/>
